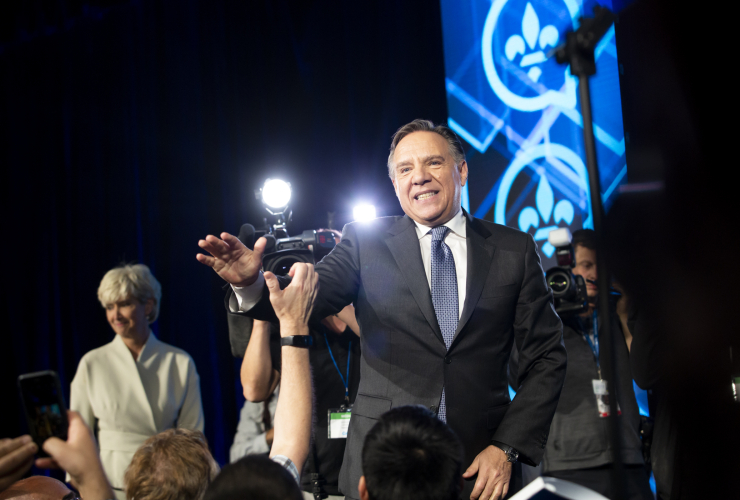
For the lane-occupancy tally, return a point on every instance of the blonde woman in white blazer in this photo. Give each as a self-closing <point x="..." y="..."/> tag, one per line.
<point x="135" y="386"/>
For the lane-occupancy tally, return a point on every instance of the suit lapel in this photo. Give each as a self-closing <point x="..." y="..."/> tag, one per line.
<point x="403" y="243"/>
<point x="480" y="256"/>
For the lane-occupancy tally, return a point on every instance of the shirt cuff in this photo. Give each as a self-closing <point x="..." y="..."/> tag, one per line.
<point x="248" y="296"/>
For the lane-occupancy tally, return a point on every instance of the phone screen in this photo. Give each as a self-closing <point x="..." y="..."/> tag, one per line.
<point x="43" y="401"/>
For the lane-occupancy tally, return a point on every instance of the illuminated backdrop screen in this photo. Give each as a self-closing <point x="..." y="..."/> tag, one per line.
<point x="520" y="113"/>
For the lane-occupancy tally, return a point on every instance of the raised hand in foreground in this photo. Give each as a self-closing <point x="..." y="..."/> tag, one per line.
<point x="294" y="413"/>
<point x="79" y="457"/>
<point x="16" y="457"/>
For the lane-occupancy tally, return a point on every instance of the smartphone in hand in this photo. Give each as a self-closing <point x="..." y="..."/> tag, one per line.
<point x="43" y="402"/>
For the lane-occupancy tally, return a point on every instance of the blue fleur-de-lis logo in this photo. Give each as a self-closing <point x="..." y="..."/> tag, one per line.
<point x="546" y="208"/>
<point x="534" y="38"/>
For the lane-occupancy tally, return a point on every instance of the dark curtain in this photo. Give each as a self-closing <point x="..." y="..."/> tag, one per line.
<point x="133" y="131"/>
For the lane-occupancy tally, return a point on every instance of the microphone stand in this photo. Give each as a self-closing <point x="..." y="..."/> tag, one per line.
<point x="578" y="51"/>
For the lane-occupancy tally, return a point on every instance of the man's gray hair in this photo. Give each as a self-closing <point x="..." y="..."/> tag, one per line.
<point x="419" y="125"/>
<point x="131" y="281"/>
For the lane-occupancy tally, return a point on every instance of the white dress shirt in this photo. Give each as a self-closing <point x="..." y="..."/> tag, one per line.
<point x="248" y="296"/>
<point x="455" y="239"/>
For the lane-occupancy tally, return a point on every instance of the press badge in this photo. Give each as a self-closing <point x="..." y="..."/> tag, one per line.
<point x="602" y="398"/>
<point x="339" y="422"/>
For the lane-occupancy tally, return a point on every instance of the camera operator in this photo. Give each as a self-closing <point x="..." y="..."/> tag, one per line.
<point x="578" y="448"/>
<point x="335" y="362"/>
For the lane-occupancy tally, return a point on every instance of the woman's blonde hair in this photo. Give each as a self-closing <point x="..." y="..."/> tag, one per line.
<point x="131" y="280"/>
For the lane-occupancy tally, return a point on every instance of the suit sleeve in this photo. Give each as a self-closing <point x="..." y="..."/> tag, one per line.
<point x="191" y="413"/>
<point x="541" y="364"/>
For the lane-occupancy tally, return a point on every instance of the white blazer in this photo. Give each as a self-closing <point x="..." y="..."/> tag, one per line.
<point x="126" y="401"/>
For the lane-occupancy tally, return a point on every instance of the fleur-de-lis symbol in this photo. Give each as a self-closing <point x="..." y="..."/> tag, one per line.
<point x="533" y="36"/>
<point x="545" y="199"/>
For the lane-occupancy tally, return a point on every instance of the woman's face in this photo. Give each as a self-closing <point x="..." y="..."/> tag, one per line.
<point x="128" y="317"/>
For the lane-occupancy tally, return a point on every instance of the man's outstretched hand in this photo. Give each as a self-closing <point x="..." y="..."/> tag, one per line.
<point x="494" y="474"/>
<point x="294" y="304"/>
<point x="231" y="259"/>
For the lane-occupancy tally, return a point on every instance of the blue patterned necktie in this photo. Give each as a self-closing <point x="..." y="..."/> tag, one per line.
<point x="444" y="294"/>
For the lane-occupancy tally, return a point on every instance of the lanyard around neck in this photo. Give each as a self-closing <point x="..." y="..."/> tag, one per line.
<point x="594" y="345"/>
<point x="345" y="381"/>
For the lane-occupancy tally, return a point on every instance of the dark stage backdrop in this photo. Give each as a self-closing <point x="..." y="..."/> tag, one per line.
<point x="129" y="132"/>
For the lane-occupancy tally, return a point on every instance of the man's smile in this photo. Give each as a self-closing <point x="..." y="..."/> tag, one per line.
<point x="425" y="195"/>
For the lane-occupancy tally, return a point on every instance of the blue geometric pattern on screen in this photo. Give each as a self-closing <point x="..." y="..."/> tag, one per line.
<point x="507" y="98"/>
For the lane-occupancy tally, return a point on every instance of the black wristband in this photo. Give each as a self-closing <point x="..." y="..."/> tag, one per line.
<point x="297" y="341"/>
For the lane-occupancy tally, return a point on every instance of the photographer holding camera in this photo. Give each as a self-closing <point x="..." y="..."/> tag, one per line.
<point x="334" y="354"/>
<point x="578" y="449"/>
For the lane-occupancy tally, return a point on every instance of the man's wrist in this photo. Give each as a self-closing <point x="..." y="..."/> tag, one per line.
<point x="95" y="485"/>
<point x="248" y="282"/>
<point x="304" y="341"/>
<point x="292" y="328"/>
<point x="512" y="455"/>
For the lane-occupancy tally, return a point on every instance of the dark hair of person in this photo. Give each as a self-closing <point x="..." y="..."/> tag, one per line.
<point x="411" y="454"/>
<point x="453" y="141"/>
<point x="254" y="477"/>
<point x="585" y="238"/>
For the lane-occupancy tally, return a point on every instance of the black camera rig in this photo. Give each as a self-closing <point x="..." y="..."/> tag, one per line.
<point x="568" y="290"/>
<point x="282" y="251"/>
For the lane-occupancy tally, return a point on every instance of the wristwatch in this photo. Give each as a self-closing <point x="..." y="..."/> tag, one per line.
<point x="511" y="454"/>
<point x="297" y="341"/>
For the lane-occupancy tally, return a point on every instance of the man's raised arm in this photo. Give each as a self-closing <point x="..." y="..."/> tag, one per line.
<point x="293" y="416"/>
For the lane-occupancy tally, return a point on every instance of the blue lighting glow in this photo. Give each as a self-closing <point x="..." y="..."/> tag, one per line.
<point x="519" y="112"/>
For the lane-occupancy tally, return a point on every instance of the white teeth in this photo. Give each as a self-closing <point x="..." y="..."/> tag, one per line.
<point x="425" y="196"/>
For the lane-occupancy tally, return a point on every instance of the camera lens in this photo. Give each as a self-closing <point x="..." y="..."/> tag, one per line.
<point x="559" y="282"/>
<point x="282" y="264"/>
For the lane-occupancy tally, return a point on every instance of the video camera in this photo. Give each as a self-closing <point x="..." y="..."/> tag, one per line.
<point x="282" y="251"/>
<point x="568" y="289"/>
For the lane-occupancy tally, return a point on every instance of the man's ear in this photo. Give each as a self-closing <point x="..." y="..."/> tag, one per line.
<point x="395" y="186"/>
<point x="463" y="172"/>
<point x="362" y="488"/>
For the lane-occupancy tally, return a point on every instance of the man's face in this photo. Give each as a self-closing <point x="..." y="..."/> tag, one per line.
<point x="427" y="181"/>
<point x="586" y="267"/>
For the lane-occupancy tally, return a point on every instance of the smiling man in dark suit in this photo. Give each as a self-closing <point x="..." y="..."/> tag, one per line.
<point x="440" y="297"/>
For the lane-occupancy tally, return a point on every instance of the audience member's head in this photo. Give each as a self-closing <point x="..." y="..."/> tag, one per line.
<point x="36" y="488"/>
<point x="584" y="238"/>
<point x="254" y="477"/>
<point x="411" y="454"/>
<point x="131" y="281"/>
<point x="584" y="248"/>
<point x="172" y="465"/>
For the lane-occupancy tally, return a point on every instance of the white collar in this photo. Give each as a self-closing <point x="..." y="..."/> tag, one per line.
<point x="456" y="225"/>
